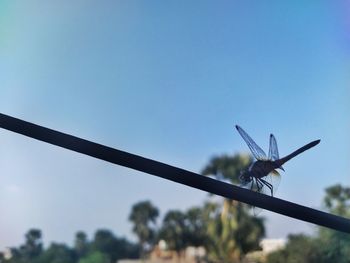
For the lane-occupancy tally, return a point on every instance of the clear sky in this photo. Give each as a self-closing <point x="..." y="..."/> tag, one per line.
<point x="167" y="80"/>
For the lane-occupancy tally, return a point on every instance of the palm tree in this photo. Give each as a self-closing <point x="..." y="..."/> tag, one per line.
<point x="231" y="229"/>
<point x="143" y="215"/>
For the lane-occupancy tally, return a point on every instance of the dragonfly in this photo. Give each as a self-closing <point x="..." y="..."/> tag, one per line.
<point x="262" y="175"/>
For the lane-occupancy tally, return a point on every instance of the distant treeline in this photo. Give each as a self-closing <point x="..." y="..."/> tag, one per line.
<point x="326" y="245"/>
<point x="103" y="248"/>
<point x="226" y="229"/>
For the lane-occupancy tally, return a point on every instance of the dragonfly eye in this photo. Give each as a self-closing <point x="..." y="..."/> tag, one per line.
<point x="245" y="177"/>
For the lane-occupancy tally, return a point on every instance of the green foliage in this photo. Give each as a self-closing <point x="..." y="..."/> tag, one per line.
<point x="173" y="230"/>
<point x="33" y="245"/>
<point x="232" y="231"/>
<point x="114" y="248"/>
<point x="81" y="245"/>
<point x="104" y="248"/>
<point x="328" y="245"/>
<point x="57" y="253"/>
<point x="181" y="230"/>
<point x="105" y="242"/>
<point x="226" y="229"/>
<point x="228" y="167"/>
<point x="334" y="246"/>
<point x="299" y="249"/>
<point x="30" y="250"/>
<point x="95" y="257"/>
<point x="337" y="200"/>
<point x="195" y="227"/>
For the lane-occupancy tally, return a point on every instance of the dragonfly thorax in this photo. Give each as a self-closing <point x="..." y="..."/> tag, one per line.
<point x="261" y="168"/>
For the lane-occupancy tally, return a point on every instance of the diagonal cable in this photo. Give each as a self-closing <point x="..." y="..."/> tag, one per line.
<point x="174" y="174"/>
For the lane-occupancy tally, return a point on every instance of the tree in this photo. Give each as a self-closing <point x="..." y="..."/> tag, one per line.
<point x="143" y="215"/>
<point x="15" y="256"/>
<point x="33" y="246"/>
<point x="233" y="235"/>
<point x="30" y="250"/>
<point x="95" y="257"/>
<point x="104" y="248"/>
<point x="232" y="231"/>
<point x="105" y="242"/>
<point x="81" y="245"/>
<point x="173" y="231"/>
<point x="328" y="245"/>
<point x="299" y="248"/>
<point x="227" y="167"/>
<point x="57" y="253"/>
<point x="195" y="227"/>
<point x="113" y="247"/>
<point x="337" y="200"/>
<point x="334" y="245"/>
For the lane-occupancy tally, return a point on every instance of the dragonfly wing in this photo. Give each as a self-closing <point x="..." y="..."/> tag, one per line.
<point x="254" y="186"/>
<point x="257" y="152"/>
<point x="273" y="150"/>
<point x="272" y="180"/>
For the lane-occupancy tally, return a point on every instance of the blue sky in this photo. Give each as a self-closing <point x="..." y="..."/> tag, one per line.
<point x="166" y="80"/>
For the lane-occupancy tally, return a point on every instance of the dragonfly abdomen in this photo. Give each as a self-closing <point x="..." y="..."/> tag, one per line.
<point x="283" y="160"/>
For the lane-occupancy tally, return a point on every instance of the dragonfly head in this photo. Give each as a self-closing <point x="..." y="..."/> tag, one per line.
<point x="245" y="177"/>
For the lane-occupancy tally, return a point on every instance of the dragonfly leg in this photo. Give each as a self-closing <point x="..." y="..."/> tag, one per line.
<point x="251" y="186"/>
<point x="267" y="184"/>
<point x="259" y="184"/>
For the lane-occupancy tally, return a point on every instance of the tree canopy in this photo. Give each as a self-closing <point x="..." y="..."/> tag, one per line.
<point x="104" y="248"/>
<point x="143" y="215"/>
<point x="327" y="245"/>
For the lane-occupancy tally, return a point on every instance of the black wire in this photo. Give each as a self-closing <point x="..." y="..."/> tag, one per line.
<point x="174" y="174"/>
